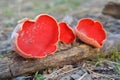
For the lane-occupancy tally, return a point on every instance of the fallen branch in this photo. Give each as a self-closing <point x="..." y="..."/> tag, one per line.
<point x="14" y="65"/>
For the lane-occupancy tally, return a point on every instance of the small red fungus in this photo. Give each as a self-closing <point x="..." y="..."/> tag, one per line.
<point x="66" y="33"/>
<point x="91" y="32"/>
<point x="36" y="38"/>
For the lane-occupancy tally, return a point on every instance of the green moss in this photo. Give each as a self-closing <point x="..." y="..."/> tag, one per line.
<point x="6" y="55"/>
<point x="8" y="12"/>
<point x="38" y="76"/>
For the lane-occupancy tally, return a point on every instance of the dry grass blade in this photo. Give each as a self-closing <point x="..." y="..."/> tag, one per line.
<point x="103" y="75"/>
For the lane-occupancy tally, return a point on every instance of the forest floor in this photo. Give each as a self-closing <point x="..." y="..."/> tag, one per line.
<point x="101" y="68"/>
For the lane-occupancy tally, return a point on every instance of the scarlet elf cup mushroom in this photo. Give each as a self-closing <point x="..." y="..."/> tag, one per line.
<point x="36" y="38"/>
<point x="91" y="32"/>
<point x="67" y="35"/>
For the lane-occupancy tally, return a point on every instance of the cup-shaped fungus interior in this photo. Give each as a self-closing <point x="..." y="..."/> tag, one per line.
<point x="36" y="39"/>
<point x="91" y="32"/>
<point x="66" y="33"/>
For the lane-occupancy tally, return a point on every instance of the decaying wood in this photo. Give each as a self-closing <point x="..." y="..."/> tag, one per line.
<point x="112" y="9"/>
<point x="14" y="65"/>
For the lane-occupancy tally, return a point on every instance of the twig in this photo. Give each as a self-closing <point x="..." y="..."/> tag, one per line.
<point x="83" y="76"/>
<point x="103" y="75"/>
<point x="58" y="75"/>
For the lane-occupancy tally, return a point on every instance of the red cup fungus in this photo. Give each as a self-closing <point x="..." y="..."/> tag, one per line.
<point x="91" y="32"/>
<point x="36" y="38"/>
<point x="66" y="33"/>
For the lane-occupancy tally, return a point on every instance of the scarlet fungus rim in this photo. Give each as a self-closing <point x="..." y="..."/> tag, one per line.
<point x="15" y="36"/>
<point x="92" y="38"/>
